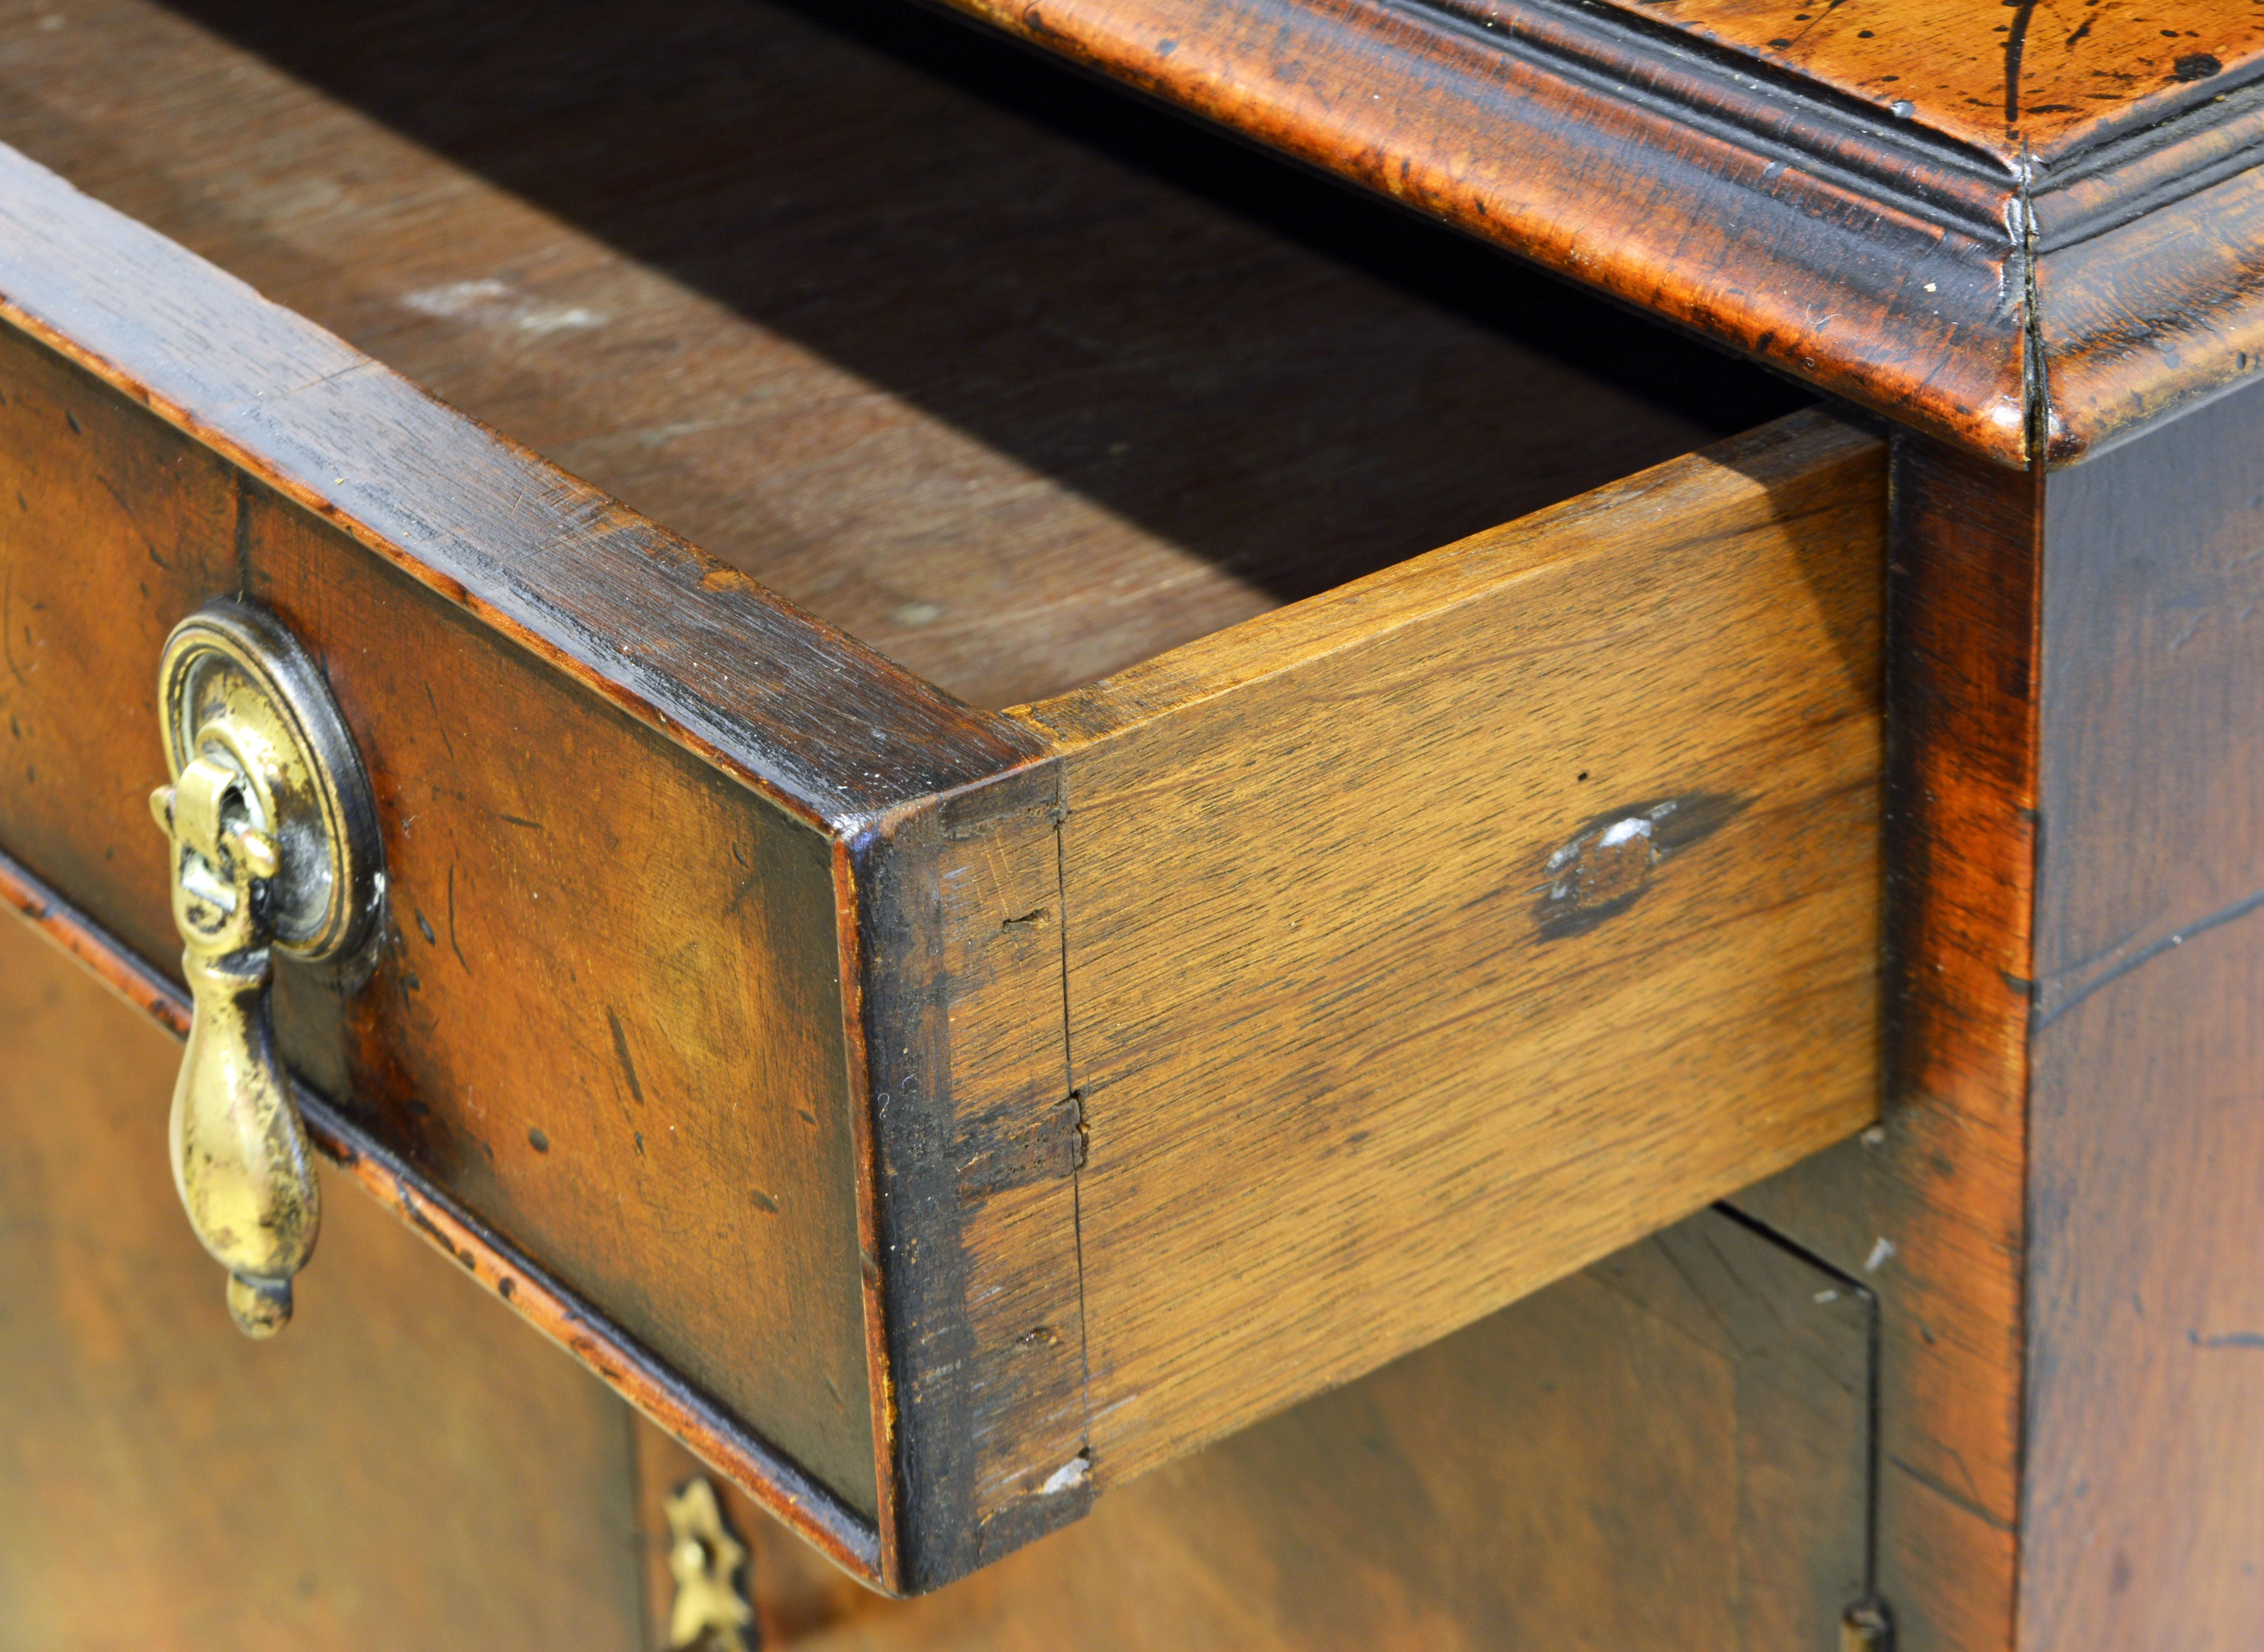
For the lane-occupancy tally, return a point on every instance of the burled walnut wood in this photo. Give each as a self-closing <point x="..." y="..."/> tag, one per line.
<point x="1374" y="1028"/>
<point x="2023" y="83"/>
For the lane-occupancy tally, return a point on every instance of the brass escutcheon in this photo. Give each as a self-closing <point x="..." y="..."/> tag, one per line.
<point x="711" y="1614"/>
<point x="274" y="845"/>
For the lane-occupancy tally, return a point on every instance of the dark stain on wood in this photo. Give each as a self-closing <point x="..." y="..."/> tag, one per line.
<point x="2015" y="37"/>
<point x="1604" y="867"/>
<point x="974" y="1140"/>
<point x="1014" y="1147"/>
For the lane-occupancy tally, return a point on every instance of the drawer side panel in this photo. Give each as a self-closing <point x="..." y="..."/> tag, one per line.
<point x="1437" y="937"/>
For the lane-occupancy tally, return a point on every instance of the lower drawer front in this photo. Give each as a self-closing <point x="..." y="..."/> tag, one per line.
<point x="940" y="1116"/>
<point x="406" y="1470"/>
<point x="1669" y="1449"/>
<point x="1666" y="1450"/>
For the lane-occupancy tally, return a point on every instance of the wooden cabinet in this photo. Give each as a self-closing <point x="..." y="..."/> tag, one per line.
<point x="941" y="1115"/>
<point x="1083" y="837"/>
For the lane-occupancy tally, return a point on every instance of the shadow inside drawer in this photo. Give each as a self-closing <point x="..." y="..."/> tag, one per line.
<point x="999" y="368"/>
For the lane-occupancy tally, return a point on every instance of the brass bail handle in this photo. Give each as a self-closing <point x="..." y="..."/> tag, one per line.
<point x="274" y="846"/>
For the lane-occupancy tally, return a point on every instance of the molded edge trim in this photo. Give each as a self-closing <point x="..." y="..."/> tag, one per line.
<point x="1741" y="233"/>
<point x="1757" y="210"/>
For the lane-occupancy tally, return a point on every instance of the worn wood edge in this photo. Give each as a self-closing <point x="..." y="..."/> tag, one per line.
<point x="889" y="1572"/>
<point x="2155" y="318"/>
<point x="2100" y="153"/>
<point x="2147" y="170"/>
<point x="1390" y="98"/>
<point x="919" y="1322"/>
<point x="773" y="1480"/>
<point x="720" y="701"/>
<point x="1683" y="495"/>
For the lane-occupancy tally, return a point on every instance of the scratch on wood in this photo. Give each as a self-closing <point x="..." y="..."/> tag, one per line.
<point x="622" y="1050"/>
<point x="451" y="922"/>
<point x="440" y="722"/>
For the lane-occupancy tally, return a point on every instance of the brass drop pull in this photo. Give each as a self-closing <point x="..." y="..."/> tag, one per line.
<point x="274" y="845"/>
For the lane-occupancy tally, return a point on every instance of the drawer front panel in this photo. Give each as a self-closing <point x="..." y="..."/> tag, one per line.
<point x="605" y="1011"/>
<point x="716" y="1019"/>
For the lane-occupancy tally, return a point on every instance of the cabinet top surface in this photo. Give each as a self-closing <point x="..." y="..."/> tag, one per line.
<point x="2013" y="78"/>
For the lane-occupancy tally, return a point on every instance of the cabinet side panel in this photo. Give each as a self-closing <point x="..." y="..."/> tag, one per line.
<point x="1436" y="938"/>
<point x="2145" y="1483"/>
<point x="1929" y="1210"/>
<point x="605" y="1017"/>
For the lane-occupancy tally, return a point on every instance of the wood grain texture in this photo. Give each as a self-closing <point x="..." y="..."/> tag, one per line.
<point x="996" y="440"/>
<point x="977" y="1145"/>
<point x="1631" y="1458"/>
<point x="1780" y="188"/>
<point x="1930" y="1210"/>
<point x="2158" y="316"/>
<point x="2144" y="1491"/>
<point x="1018" y="384"/>
<point x="407" y="1472"/>
<point x="689" y="647"/>
<point x="1881" y="274"/>
<point x="2060" y="1204"/>
<point x="619" y="1038"/>
<point x="1431" y="939"/>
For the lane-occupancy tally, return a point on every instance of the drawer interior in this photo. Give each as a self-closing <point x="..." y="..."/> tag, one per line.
<point x="1009" y="375"/>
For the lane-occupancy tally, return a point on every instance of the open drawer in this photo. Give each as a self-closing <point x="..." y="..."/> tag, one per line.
<point x="1201" y="943"/>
